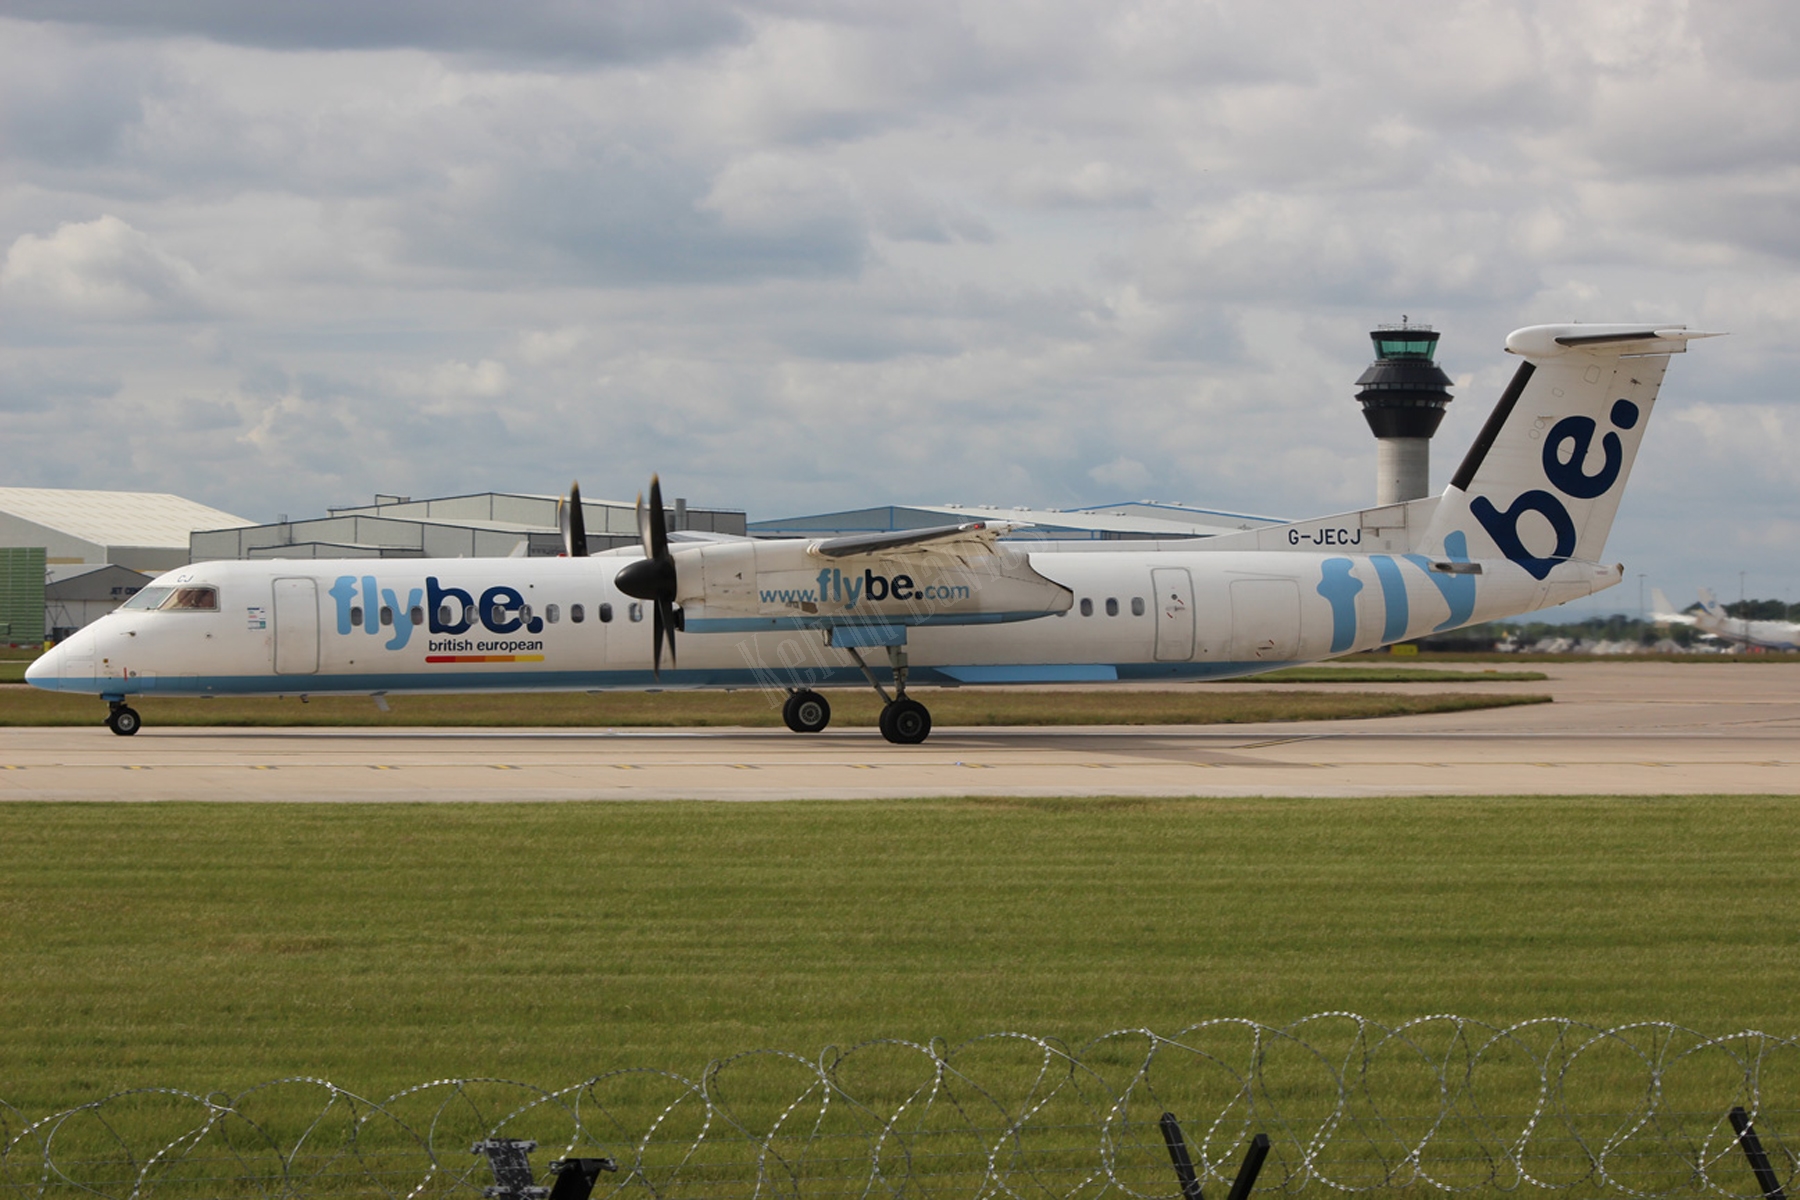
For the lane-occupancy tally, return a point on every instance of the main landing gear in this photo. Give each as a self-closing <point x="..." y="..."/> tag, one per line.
<point x="123" y="719"/>
<point x="904" y="722"/>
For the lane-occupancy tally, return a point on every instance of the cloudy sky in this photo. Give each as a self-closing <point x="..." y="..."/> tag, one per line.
<point x="800" y="255"/>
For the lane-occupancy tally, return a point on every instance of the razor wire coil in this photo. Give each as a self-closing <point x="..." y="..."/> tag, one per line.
<point x="1440" y="1104"/>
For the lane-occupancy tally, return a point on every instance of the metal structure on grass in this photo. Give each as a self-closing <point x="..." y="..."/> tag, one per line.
<point x="1440" y="1104"/>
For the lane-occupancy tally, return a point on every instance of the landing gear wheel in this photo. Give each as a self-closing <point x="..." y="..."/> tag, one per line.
<point x="905" y="722"/>
<point x="806" y="712"/>
<point x="124" y="721"/>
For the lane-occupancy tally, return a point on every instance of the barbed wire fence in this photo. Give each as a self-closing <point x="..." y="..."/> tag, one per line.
<point x="1441" y="1104"/>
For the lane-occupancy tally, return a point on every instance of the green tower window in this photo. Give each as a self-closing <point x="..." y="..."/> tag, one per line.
<point x="1405" y="344"/>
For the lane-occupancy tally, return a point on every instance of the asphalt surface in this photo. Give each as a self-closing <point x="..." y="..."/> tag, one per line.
<point x="1615" y="728"/>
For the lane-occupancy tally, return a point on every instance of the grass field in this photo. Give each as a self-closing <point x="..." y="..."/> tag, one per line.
<point x="216" y="946"/>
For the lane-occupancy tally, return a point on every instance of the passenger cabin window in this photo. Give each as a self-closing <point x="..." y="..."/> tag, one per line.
<point x="1137" y="606"/>
<point x="446" y="615"/>
<point x="577" y="614"/>
<point x="553" y="613"/>
<point x="605" y="613"/>
<point x="387" y="615"/>
<point x="417" y="615"/>
<point x="1112" y="607"/>
<point x="637" y="611"/>
<point x="355" y="615"/>
<point x="1087" y="607"/>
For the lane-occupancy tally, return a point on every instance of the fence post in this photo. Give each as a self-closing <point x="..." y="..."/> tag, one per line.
<point x="1253" y="1163"/>
<point x="1759" y="1161"/>
<point x="1178" y="1154"/>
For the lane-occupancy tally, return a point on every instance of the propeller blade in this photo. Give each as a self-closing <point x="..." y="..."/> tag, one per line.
<point x="656" y="636"/>
<point x="653" y="577"/>
<point x="572" y="523"/>
<point x="656" y="533"/>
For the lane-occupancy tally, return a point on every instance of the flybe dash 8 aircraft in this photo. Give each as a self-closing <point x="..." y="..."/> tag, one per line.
<point x="1521" y="526"/>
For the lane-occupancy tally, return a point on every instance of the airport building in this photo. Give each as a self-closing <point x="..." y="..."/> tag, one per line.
<point x="1108" y="522"/>
<point x="482" y="525"/>
<point x="69" y="557"/>
<point x="145" y="531"/>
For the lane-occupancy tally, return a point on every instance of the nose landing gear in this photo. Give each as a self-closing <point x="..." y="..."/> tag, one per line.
<point x="123" y="719"/>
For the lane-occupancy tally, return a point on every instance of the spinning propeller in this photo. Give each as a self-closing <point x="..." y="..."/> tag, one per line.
<point x="572" y="524"/>
<point x="652" y="577"/>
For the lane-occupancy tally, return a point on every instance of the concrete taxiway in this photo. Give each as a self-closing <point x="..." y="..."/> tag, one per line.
<point x="1615" y="728"/>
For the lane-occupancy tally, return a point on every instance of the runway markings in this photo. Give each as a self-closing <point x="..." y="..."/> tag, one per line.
<point x="263" y="767"/>
<point x="382" y="767"/>
<point x="744" y="767"/>
<point x="626" y="767"/>
<point x="504" y="767"/>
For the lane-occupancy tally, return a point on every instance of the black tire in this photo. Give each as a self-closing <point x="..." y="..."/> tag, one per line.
<point x="905" y="723"/>
<point x="806" y="712"/>
<point x="124" y="721"/>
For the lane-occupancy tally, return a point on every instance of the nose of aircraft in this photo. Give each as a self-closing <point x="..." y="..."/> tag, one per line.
<point x="46" y="668"/>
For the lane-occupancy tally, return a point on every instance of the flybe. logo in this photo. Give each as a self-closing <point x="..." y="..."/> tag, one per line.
<point x="363" y="603"/>
<point x="835" y="587"/>
<point x="1568" y="476"/>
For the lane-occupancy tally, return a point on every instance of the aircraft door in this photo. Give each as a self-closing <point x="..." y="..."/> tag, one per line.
<point x="1265" y="620"/>
<point x="296" y="627"/>
<point x="1173" y="589"/>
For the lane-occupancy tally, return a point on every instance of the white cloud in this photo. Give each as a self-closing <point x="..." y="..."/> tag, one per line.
<point x="1122" y="474"/>
<point x="100" y="269"/>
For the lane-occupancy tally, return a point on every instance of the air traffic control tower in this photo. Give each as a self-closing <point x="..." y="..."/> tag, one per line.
<point x="1403" y="396"/>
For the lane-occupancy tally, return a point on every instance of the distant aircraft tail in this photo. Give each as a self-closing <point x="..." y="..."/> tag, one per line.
<point x="1664" y="613"/>
<point x="1542" y="482"/>
<point x="1710" y="603"/>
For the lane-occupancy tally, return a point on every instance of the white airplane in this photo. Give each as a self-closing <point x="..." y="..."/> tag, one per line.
<point x="1771" y="635"/>
<point x="1520" y="527"/>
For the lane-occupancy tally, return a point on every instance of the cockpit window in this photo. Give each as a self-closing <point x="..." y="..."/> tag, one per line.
<point x="191" y="598"/>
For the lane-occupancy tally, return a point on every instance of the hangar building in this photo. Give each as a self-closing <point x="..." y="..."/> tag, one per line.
<point x="482" y="525"/>
<point x="1107" y="522"/>
<point x="69" y="557"/>
<point x="146" y="531"/>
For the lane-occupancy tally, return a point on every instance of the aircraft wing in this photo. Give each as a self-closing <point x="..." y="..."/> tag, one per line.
<point x="854" y="544"/>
